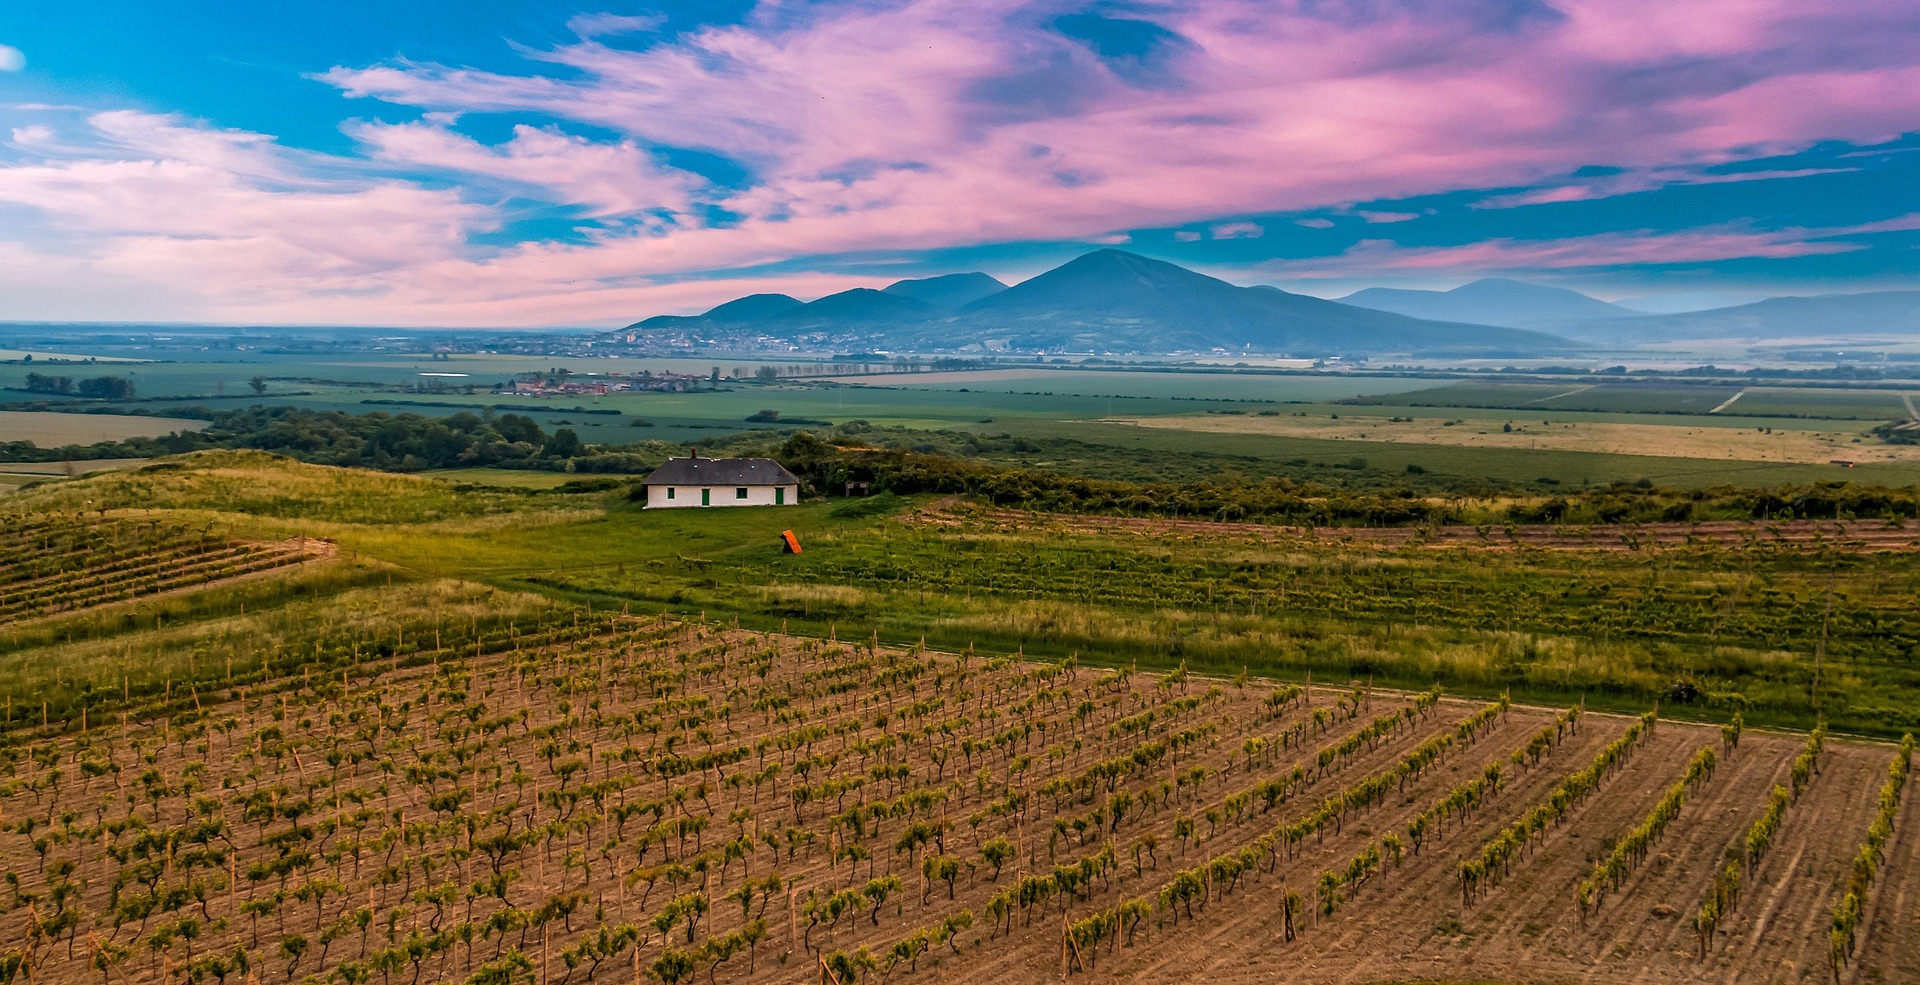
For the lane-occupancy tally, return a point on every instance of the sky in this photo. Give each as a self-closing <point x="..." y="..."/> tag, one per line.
<point x="489" y="163"/>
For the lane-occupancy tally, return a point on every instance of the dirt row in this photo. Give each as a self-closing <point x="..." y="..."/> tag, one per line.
<point x="1858" y="536"/>
<point x="1412" y="925"/>
<point x="1408" y="922"/>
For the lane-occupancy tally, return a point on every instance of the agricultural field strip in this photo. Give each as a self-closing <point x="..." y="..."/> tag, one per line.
<point x="1528" y="931"/>
<point x="292" y="750"/>
<point x="1631" y="847"/>
<point x="1566" y="798"/>
<point x="1742" y="858"/>
<point x="1888" y="938"/>
<point x="1520" y="772"/>
<point x="156" y="571"/>
<point x="54" y="562"/>
<point x="1859" y="535"/>
<point x="1858" y="892"/>
<point x="1284" y="841"/>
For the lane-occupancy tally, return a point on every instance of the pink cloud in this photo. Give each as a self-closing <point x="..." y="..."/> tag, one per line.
<point x="610" y="179"/>
<point x="1600" y="250"/>
<point x="1238" y="230"/>
<point x="922" y="124"/>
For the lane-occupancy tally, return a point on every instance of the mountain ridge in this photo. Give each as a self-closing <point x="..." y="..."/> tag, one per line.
<point x="1491" y="301"/>
<point x="1112" y="301"/>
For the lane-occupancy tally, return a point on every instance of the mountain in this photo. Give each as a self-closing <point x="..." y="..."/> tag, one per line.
<point x="860" y="305"/>
<point x="752" y="309"/>
<point x="1875" y="313"/>
<point x="1105" y="301"/>
<point x="1491" y="301"/>
<point x="1111" y="299"/>
<point x="948" y="291"/>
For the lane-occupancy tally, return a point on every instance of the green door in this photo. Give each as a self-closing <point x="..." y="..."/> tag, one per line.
<point x="779" y="495"/>
<point x="706" y="496"/>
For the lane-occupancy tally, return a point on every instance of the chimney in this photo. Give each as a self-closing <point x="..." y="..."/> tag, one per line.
<point x="693" y="452"/>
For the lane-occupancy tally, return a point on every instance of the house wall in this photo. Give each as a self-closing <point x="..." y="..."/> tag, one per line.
<point x="722" y="496"/>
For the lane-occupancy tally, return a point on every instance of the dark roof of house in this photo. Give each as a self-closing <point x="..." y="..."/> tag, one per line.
<point x="721" y="472"/>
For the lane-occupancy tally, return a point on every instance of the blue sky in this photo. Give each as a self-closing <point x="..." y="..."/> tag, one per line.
<point x="532" y="164"/>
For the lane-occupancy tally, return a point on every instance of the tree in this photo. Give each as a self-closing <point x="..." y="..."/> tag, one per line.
<point x="258" y="383"/>
<point x="564" y="444"/>
<point x="107" y="388"/>
<point x="45" y="383"/>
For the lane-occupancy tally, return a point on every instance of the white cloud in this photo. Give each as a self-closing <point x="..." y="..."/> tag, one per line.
<point x="1314" y="223"/>
<point x="1186" y="236"/>
<point x="1379" y="217"/>
<point x="11" y="60"/>
<point x="1239" y="230"/>
<point x="33" y="135"/>
<point x="602" y="24"/>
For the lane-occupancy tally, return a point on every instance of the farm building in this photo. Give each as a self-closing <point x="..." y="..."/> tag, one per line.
<point x="696" y="481"/>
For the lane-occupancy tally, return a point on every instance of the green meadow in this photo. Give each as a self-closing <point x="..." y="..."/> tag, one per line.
<point x="1781" y="635"/>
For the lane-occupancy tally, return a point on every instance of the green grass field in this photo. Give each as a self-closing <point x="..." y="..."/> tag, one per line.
<point x="1737" y="627"/>
<point x="1048" y="403"/>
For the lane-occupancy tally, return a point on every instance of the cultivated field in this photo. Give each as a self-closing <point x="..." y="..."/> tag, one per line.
<point x="51" y="565"/>
<point x="51" y="430"/>
<point x="1652" y="397"/>
<point x="1743" y="444"/>
<point x="611" y="800"/>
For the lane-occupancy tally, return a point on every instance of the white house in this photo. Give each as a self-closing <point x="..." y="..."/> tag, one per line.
<point x="696" y="481"/>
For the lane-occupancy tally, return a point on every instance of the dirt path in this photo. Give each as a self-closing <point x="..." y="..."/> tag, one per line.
<point x="1569" y="393"/>
<point x="1724" y="404"/>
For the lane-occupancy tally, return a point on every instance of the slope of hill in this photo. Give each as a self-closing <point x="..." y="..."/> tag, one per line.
<point x="948" y="290"/>
<point x="862" y="305"/>
<point x="1490" y="301"/>
<point x="752" y="309"/>
<point x="1875" y="313"/>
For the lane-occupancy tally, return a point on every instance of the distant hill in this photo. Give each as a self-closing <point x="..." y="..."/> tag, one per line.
<point x="1491" y="301"/>
<point x="1105" y="301"/>
<point x="948" y="290"/>
<point x="1875" y="313"/>
<point x="862" y="305"/>
<point x="1115" y="299"/>
<point x="752" y="309"/>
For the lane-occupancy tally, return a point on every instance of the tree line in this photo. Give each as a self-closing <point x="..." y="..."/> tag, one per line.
<point x="97" y="387"/>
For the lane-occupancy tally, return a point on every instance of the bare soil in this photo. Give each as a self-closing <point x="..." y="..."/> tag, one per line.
<point x="383" y="791"/>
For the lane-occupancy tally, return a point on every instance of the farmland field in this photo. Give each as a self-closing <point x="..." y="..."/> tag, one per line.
<point x="1057" y="403"/>
<point x="53" y="429"/>
<point x="487" y="734"/>
<point x="582" y="800"/>
<point x="1661" y="398"/>
<point x="1802" y="446"/>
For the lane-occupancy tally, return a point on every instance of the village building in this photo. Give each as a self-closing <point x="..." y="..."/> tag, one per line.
<point x="694" y="481"/>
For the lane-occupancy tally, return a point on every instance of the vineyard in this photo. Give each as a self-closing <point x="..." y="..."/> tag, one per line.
<point x="52" y="564"/>
<point x="580" y="797"/>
